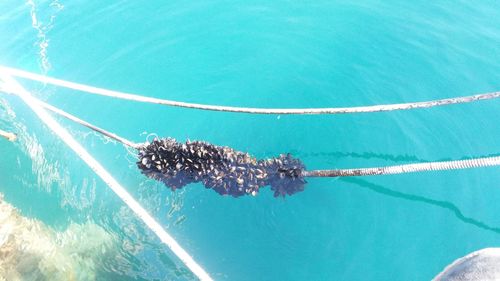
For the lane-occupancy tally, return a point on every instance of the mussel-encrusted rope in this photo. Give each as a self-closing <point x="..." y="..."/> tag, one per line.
<point x="223" y="169"/>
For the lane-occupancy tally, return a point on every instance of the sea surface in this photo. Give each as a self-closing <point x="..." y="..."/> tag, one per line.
<point x="264" y="54"/>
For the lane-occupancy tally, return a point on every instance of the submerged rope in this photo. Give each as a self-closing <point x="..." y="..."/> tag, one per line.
<point x="88" y="125"/>
<point x="331" y="110"/>
<point x="230" y="172"/>
<point x="130" y="201"/>
<point x="236" y="173"/>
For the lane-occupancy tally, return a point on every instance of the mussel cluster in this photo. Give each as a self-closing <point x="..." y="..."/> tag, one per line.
<point x="223" y="169"/>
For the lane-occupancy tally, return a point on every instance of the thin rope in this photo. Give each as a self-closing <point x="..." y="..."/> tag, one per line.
<point x="64" y="135"/>
<point x="399" y="169"/>
<point x="8" y="135"/>
<point x="79" y="121"/>
<point x="88" y="125"/>
<point x="387" y="170"/>
<point x="408" y="168"/>
<point x="331" y="110"/>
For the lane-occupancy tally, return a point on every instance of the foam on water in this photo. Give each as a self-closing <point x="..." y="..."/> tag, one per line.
<point x="43" y="24"/>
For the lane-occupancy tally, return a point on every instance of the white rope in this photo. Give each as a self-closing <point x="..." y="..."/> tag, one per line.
<point x="408" y="168"/>
<point x="8" y="135"/>
<point x="331" y="110"/>
<point x="62" y="133"/>
<point x="387" y="170"/>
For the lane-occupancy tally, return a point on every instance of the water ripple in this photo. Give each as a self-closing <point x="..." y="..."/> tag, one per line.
<point x="42" y="20"/>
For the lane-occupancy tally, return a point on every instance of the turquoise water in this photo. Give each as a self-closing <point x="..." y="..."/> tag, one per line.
<point x="265" y="54"/>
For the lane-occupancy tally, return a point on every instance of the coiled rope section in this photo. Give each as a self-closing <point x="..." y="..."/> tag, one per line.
<point x="331" y="110"/>
<point x="14" y="87"/>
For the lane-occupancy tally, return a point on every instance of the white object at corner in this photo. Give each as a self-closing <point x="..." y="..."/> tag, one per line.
<point x="7" y="135"/>
<point x="479" y="265"/>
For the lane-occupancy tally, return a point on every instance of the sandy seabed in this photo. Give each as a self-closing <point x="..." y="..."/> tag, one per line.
<point x="31" y="250"/>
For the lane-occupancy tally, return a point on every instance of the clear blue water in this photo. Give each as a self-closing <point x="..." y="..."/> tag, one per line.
<point x="265" y="54"/>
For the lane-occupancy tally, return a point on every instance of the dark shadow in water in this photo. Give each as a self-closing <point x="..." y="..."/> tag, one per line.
<point x="470" y="156"/>
<point x="364" y="155"/>
<point x="416" y="198"/>
<point x="372" y="155"/>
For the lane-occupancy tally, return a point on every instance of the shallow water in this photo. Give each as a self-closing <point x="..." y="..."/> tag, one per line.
<point x="279" y="54"/>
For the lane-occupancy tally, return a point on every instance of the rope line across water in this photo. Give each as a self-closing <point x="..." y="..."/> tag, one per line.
<point x="332" y="110"/>
<point x="388" y="170"/>
<point x="88" y="125"/>
<point x="399" y="169"/>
